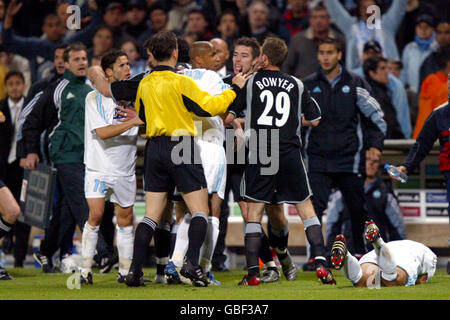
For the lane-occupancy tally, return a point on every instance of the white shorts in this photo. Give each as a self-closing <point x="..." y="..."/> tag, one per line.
<point x="120" y="190"/>
<point x="214" y="164"/>
<point x="413" y="257"/>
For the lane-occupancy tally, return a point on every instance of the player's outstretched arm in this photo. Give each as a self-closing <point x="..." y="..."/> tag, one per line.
<point x="110" y="131"/>
<point x="98" y="79"/>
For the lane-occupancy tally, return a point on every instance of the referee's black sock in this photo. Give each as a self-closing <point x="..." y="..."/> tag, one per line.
<point x="173" y="238"/>
<point x="162" y="246"/>
<point x="253" y="240"/>
<point x="5" y="227"/>
<point x="142" y="238"/>
<point x="196" y="234"/>
<point x="314" y="235"/>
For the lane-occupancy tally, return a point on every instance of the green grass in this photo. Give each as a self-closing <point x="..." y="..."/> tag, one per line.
<point x="33" y="284"/>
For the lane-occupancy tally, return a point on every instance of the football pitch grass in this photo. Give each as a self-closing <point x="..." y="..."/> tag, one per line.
<point x="33" y="284"/>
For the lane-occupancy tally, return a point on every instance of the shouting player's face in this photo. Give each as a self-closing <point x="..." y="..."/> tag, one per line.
<point x="328" y="57"/>
<point x="243" y="59"/>
<point x="120" y="69"/>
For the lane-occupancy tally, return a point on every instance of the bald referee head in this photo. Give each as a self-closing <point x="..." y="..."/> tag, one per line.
<point x="204" y="55"/>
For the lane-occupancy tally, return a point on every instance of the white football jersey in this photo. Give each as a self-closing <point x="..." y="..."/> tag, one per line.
<point x="115" y="156"/>
<point x="212" y="128"/>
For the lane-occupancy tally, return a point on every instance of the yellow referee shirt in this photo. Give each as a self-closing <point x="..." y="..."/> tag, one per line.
<point x="168" y="103"/>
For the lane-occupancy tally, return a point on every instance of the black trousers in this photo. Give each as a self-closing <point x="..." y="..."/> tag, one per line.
<point x="74" y="209"/>
<point x="12" y="175"/>
<point x="352" y="188"/>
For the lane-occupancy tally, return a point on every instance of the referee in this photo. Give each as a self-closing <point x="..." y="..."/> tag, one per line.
<point x="352" y="125"/>
<point x="167" y="103"/>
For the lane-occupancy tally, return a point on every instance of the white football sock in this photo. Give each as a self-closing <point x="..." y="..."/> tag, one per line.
<point x="125" y="241"/>
<point x="207" y="249"/>
<point x="352" y="270"/>
<point x="182" y="242"/>
<point x="387" y="264"/>
<point x="88" y="244"/>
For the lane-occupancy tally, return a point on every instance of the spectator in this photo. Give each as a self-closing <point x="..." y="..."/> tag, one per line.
<point x="103" y="42"/>
<point x="2" y="14"/>
<point x="11" y="172"/>
<point x="223" y="53"/>
<point x="15" y="62"/>
<point x="430" y="64"/>
<point x="417" y="51"/>
<point x="136" y="23"/>
<point x="198" y="24"/>
<point x="395" y="68"/>
<point x="398" y="94"/>
<point x="382" y="207"/>
<point x="133" y="52"/>
<point x="258" y="21"/>
<point x="179" y="12"/>
<point x="302" y="56"/>
<point x="37" y="49"/>
<point x="337" y="148"/>
<point x="376" y="74"/>
<point x="357" y="32"/>
<point x="296" y="18"/>
<point x="159" y="19"/>
<point x="114" y="18"/>
<point x="228" y="27"/>
<point x="434" y="91"/>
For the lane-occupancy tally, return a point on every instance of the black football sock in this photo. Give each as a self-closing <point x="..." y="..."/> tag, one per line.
<point x="279" y="241"/>
<point x="142" y="238"/>
<point x="253" y="240"/>
<point x="162" y="246"/>
<point x="5" y="227"/>
<point x="196" y="234"/>
<point x="314" y="235"/>
<point x="264" y="252"/>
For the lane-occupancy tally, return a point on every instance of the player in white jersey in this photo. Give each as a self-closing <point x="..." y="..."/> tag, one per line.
<point x="212" y="154"/>
<point x="110" y="158"/>
<point x="395" y="263"/>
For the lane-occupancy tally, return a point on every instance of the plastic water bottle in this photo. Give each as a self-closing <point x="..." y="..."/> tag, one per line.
<point x="2" y="259"/>
<point x="394" y="172"/>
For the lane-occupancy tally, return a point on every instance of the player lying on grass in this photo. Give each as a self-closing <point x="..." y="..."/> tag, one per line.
<point x="110" y="158"/>
<point x="395" y="263"/>
<point x="9" y="213"/>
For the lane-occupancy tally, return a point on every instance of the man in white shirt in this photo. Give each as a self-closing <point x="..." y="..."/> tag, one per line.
<point x="110" y="158"/>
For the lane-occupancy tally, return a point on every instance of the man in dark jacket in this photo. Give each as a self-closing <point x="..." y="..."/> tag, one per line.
<point x="352" y="124"/>
<point x="60" y="111"/>
<point x="376" y="73"/>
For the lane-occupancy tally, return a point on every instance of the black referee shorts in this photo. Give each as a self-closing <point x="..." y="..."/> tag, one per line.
<point x="289" y="185"/>
<point x="161" y="174"/>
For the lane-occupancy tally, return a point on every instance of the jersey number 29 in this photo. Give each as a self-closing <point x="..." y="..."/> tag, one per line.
<point x="282" y="106"/>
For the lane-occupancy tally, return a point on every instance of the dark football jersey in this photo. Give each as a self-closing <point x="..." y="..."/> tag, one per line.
<point x="275" y="102"/>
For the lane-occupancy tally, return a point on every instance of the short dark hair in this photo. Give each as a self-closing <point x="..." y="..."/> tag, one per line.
<point x="276" y="50"/>
<point x="442" y="58"/>
<point x="136" y="45"/>
<point x="398" y="63"/>
<point x="110" y="58"/>
<point x="332" y="41"/>
<point x="371" y="64"/>
<point x="318" y="7"/>
<point x="14" y="73"/>
<point x="161" y="45"/>
<point x="198" y="11"/>
<point x="104" y="27"/>
<point x="249" y="42"/>
<point x="158" y="6"/>
<point x="183" y="51"/>
<point x="77" y="46"/>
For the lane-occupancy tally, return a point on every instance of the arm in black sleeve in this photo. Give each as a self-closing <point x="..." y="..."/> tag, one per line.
<point x="424" y="143"/>
<point x="310" y="107"/>
<point x="39" y="119"/>
<point x="239" y="103"/>
<point x="126" y="90"/>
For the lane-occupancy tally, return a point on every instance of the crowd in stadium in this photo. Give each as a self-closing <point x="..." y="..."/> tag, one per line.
<point x="386" y="61"/>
